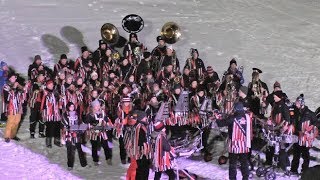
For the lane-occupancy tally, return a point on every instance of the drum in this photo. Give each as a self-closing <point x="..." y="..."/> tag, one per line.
<point x="289" y="139"/>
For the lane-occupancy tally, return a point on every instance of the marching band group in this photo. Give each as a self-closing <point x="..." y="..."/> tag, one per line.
<point x="116" y="95"/>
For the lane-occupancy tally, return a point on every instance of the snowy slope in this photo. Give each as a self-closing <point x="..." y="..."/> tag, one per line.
<point x="278" y="36"/>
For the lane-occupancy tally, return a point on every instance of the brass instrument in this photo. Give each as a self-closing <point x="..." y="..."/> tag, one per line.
<point x="115" y="55"/>
<point x="177" y="79"/>
<point x="170" y="32"/>
<point x="109" y="33"/>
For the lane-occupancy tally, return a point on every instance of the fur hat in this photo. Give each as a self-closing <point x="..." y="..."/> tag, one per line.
<point x="210" y="70"/>
<point x="84" y="48"/>
<point x="159" y="38"/>
<point x="276" y="84"/>
<point x="244" y="89"/>
<point x="37" y="57"/>
<point x="101" y="42"/>
<point x="233" y="61"/>
<point x="63" y="56"/>
<point x="300" y="99"/>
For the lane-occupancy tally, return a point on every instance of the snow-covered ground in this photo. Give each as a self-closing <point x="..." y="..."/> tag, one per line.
<point x="278" y="36"/>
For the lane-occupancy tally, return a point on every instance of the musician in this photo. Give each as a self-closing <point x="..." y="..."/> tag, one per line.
<point x="94" y="82"/>
<point x="35" y="104"/>
<point x="160" y="50"/>
<point x="162" y="153"/>
<point x="37" y="67"/>
<point x="239" y="140"/>
<point x="81" y="93"/>
<point x="276" y="87"/>
<point x="152" y="107"/>
<point x="97" y="118"/>
<point x="50" y="114"/>
<point x="243" y="91"/>
<point x="99" y="53"/>
<point x="73" y="139"/>
<point x="64" y="65"/>
<point x="12" y="99"/>
<point x="280" y="117"/>
<point x="82" y="61"/>
<point x="129" y="48"/>
<point x="145" y="65"/>
<point x="171" y="58"/>
<point x="126" y="69"/>
<point x="235" y="72"/>
<point x="257" y="94"/>
<point x="212" y="81"/>
<point x="166" y="76"/>
<point x="306" y="130"/>
<point x="196" y="64"/>
<point x="185" y="79"/>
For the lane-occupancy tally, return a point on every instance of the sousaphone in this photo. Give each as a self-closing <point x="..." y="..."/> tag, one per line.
<point x="109" y="33"/>
<point x="132" y="23"/>
<point x="170" y="32"/>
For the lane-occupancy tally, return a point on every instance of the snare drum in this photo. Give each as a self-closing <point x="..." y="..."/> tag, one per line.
<point x="289" y="138"/>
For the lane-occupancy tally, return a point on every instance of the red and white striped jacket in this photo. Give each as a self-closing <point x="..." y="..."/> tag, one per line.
<point x="12" y="100"/>
<point x="50" y="107"/>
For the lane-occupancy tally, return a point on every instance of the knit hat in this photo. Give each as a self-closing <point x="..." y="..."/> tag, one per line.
<point x="170" y="47"/>
<point x="126" y="99"/>
<point x="276" y="84"/>
<point x="300" y="99"/>
<point x="238" y="107"/>
<point x="37" y="57"/>
<point x="279" y="94"/>
<point x="233" y="60"/>
<point x="146" y="55"/>
<point x="210" y="70"/>
<point x="244" y="89"/>
<point x="63" y="56"/>
<point x="158" y="126"/>
<point x="84" y="48"/>
<point x="2" y="64"/>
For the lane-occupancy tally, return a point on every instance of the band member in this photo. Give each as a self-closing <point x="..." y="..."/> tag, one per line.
<point x="239" y="128"/>
<point x="243" y="91"/>
<point x="158" y="54"/>
<point x="73" y="138"/>
<point x="132" y="48"/>
<point x="171" y="58"/>
<point x="50" y="114"/>
<point x="12" y="99"/>
<point x="162" y="152"/>
<point x="212" y="82"/>
<point x="37" y="67"/>
<point x="81" y="97"/>
<point x="145" y="65"/>
<point x="236" y="73"/>
<point x="276" y="87"/>
<point x="305" y="121"/>
<point x="279" y="117"/>
<point x="227" y="93"/>
<point x="35" y="105"/>
<point x="82" y="62"/>
<point x="99" y="53"/>
<point x="196" y="64"/>
<point x="97" y="118"/>
<point x="257" y="94"/>
<point x="64" y="65"/>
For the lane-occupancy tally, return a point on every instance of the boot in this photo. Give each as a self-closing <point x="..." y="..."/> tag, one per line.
<point x="57" y="142"/>
<point x="49" y="142"/>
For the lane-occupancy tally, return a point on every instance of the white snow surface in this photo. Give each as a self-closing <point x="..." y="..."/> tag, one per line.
<point x="278" y="36"/>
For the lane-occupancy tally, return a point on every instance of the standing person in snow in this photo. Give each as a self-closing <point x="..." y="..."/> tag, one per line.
<point x="13" y="97"/>
<point x="50" y="114"/>
<point x="235" y="72"/>
<point x="98" y="119"/>
<point x="239" y="128"/>
<point x="162" y="152"/>
<point x="307" y="131"/>
<point x="73" y="138"/>
<point x="158" y="54"/>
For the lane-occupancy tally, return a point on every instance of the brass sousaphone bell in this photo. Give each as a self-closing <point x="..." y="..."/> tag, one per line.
<point x="170" y="32"/>
<point x="109" y="33"/>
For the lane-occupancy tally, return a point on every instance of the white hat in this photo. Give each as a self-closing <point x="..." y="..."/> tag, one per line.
<point x="170" y="47"/>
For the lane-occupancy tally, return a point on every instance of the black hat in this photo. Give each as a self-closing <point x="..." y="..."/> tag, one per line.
<point x="84" y="48"/>
<point x="69" y="104"/>
<point x="233" y="60"/>
<point x="176" y="86"/>
<point x="300" y="99"/>
<point x="11" y="74"/>
<point x="37" y="57"/>
<point x="276" y="84"/>
<point x="101" y="42"/>
<point x="257" y="70"/>
<point x="159" y="38"/>
<point x="280" y="94"/>
<point x="139" y="115"/>
<point x="63" y="56"/>
<point x="146" y="55"/>
<point x="133" y="35"/>
<point x="201" y="88"/>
